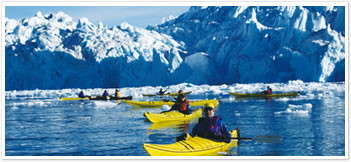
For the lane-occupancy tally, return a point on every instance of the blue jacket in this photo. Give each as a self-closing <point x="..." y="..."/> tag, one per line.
<point x="105" y="94"/>
<point x="211" y="128"/>
<point x="81" y="94"/>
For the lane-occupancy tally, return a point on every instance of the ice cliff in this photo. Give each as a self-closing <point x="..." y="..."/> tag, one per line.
<point x="265" y="44"/>
<point x="206" y="45"/>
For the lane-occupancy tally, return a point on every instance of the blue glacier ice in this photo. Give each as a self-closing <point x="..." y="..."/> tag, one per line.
<point x="265" y="44"/>
<point x="205" y="45"/>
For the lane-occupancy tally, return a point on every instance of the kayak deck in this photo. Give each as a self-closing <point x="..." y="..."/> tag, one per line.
<point x="95" y="98"/>
<point x="73" y="98"/>
<point x="291" y="94"/>
<point x="111" y="98"/>
<point x="166" y="94"/>
<point x="169" y="103"/>
<point x="148" y="103"/>
<point x="176" y="94"/>
<point x="192" y="146"/>
<point x="169" y="124"/>
<point x="172" y="116"/>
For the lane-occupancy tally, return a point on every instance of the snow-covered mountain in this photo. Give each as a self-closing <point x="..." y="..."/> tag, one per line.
<point x="206" y="45"/>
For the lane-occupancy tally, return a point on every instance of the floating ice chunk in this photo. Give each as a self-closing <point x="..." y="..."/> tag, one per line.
<point x="165" y="108"/>
<point x="303" y="110"/>
<point x="308" y="106"/>
<point x="284" y="99"/>
<point x="104" y="104"/>
<point x="36" y="103"/>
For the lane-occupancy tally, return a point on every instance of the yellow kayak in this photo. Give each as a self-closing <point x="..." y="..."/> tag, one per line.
<point x="170" y="124"/>
<point x="73" y="98"/>
<point x="172" y="116"/>
<point x="166" y="94"/>
<point x="169" y="103"/>
<point x="192" y="146"/>
<point x="291" y="94"/>
<point x="96" y="98"/>
<point x="176" y="94"/>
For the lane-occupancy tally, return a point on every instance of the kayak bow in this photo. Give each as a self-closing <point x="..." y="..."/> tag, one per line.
<point x="242" y="95"/>
<point x="166" y="94"/>
<point x="192" y="146"/>
<point x="73" y="98"/>
<point x="169" y="103"/>
<point x="172" y="116"/>
<point x="95" y="98"/>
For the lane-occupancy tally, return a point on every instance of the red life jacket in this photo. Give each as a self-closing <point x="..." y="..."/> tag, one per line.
<point x="183" y="106"/>
<point x="270" y="91"/>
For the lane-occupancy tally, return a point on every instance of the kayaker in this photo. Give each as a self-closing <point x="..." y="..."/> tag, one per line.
<point x="161" y="92"/>
<point x="105" y="95"/>
<point x="180" y="92"/>
<point x="211" y="126"/>
<point x="268" y="91"/>
<point x="182" y="105"/>
<point x="81" y="94"/>
<point x="117" y="94"/>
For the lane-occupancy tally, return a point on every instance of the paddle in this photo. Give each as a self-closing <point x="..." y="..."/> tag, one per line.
<point x="164" y="93"/>
<point x="167" y="89"/>
<point x="263" y="139"/>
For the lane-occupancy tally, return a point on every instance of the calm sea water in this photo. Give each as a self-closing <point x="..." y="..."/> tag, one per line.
<point x="309" y="125"/>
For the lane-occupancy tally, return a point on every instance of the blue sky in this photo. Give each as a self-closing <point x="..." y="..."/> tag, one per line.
<point x="110" y="16"/>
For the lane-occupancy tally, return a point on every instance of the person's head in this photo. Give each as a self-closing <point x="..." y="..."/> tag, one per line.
<point x="209" y="110"/>
<point x="105" y="91"/>
<point x="268" y="87"/>
<point x="180" y="92"/>
<point x="117" y="90"/>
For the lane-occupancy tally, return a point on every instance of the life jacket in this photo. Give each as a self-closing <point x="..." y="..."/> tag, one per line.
<point x="184" y="106"/>
<point x="211" y="125"/>
<point x="118" y="94"/>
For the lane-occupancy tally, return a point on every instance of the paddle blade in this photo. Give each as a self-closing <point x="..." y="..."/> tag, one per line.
<point x="268" y="139"/>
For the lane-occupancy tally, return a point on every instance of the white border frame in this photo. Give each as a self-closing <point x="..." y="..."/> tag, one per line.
<point x="177" y="3"/>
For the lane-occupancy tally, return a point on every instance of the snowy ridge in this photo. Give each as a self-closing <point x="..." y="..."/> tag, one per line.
<point x="206" y="45"/>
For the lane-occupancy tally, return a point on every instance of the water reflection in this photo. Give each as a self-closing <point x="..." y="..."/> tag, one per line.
<point x="168" y="130"/>
<point x="180" y="125"/>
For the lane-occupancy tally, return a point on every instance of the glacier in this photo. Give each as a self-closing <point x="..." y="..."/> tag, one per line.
<point x="205" y="45"/>
<point x="265" y="44"/>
